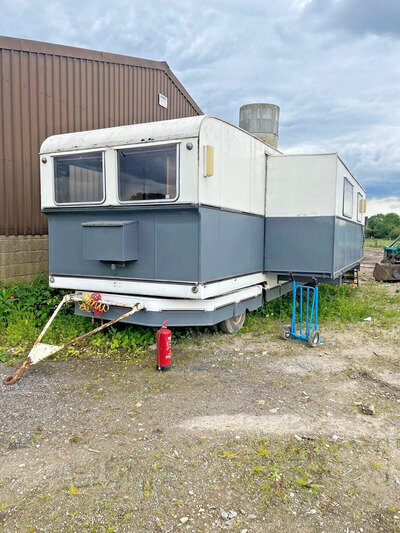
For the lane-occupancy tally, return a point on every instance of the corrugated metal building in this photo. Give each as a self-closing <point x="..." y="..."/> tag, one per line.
<point x="47" y="89"/>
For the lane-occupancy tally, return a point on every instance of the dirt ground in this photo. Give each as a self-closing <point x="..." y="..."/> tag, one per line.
<point x="246" y="433"/>
<point x="371" y="256"/>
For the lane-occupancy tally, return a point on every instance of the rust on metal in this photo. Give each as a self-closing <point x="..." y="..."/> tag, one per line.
<point x="387" y="271"/>
<point x="46" y="89"/>
<point x="135" y="308"/>
<point x="18" y="373"/>
<point x="40" y="351"/>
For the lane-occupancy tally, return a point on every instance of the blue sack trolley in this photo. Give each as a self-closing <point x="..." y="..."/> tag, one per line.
<point x="305" y="310"/>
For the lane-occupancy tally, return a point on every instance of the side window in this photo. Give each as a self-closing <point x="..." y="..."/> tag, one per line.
<point x="79" y="178"/>
<point x="359" y="207"/>
<point x="347" y="198"/>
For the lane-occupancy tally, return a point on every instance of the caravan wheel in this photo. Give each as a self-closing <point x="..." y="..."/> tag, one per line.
<point x="232" y="325"/>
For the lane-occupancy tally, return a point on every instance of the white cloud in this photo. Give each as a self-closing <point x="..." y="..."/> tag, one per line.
<point x="383" y="205"/>
<point x="332" y="66"/>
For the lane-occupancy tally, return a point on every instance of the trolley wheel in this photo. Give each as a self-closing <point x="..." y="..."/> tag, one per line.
<point x="232" y="325"/>
<point x="313" y="339"/>
<point x="286" y="332"/>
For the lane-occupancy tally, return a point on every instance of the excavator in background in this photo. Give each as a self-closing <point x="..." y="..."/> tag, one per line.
<point x="389" y="268"/>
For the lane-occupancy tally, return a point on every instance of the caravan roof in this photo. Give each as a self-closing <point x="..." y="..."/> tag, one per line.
<point x="163" y="130"/>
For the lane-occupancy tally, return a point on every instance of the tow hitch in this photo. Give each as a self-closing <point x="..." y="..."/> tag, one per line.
<point x="41" y="351"/>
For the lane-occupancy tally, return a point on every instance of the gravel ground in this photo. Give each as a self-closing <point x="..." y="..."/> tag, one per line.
<point x="226" y="440"/>
<point x="371" y="256"/>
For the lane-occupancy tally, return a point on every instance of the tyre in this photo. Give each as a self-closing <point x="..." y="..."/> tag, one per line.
<point x="313" y="339"/>
<point x="232" y="325"/>
<point x="286" y="332"/>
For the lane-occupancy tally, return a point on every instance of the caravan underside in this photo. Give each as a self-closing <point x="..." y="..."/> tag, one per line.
<point x="163" y="289"/>
<point x="219" y="301"/>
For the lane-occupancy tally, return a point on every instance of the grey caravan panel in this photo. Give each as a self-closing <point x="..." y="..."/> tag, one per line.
<point x="167" y="244"/>
<point x="299" y="244"/>
<point x="323" y="247"/>
<point x="188" y="244"/>
<point x="231" y="243"/>
<point x="348" y="246"/>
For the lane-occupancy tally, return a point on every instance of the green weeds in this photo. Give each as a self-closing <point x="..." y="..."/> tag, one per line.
<point x="340" y="304"/>
<point x="377" y="243"/>
<point x="281" y="470"/>
<point x="25" y="307"/>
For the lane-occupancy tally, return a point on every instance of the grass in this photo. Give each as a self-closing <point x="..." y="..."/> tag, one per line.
<point x="377" y="243"/>
<point x="25" y="307"/>
<point x="344" y="304"/>
<point x="290" y="477"/>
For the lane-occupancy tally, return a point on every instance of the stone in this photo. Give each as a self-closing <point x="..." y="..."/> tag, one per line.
<point x="184" y="519"/>
<point x="366" y="409"/>
<point x="223" y="514"/>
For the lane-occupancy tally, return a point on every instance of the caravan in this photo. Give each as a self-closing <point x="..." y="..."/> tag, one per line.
<point x="196" y="219"/>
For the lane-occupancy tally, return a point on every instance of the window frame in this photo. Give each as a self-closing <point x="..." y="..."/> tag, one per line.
<point x="77" y="152"/>
<point x="148" y="145"/>
<point x="352" y="198"/>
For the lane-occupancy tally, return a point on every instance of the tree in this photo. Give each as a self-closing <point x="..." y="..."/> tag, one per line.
<point x="395" y="233"/>
<point x="381" y="226"/>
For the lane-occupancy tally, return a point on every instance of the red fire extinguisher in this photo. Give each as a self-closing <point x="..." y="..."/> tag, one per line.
<point x="163" y="348"/>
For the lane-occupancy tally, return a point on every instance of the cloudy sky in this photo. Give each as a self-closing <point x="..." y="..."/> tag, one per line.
<point x="333" y="66"/>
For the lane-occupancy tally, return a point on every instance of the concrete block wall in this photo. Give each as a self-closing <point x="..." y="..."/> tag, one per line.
<point x="23" y="256"/>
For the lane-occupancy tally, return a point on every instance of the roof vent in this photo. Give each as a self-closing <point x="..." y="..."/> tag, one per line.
<point x="261" y="120"/>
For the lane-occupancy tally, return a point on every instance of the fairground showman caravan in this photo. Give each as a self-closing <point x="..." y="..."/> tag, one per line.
<point x="194" y="220"/>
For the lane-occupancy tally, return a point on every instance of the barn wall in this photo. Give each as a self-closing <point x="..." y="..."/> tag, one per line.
<point x="47" y="89"/>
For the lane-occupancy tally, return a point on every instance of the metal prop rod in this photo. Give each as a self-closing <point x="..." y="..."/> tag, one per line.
<point x="67" y="298"/>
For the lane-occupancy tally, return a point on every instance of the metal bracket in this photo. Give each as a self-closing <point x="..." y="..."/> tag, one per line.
<point x="41" y="351"/>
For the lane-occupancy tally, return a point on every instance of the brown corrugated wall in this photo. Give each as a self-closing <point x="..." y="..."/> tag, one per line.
<point x="47" y="89"/>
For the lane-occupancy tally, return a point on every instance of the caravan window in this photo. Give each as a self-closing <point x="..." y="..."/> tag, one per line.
<point x="79" y="178"/>
<point x="347" y="199"/>
<point x="148" y="173"/>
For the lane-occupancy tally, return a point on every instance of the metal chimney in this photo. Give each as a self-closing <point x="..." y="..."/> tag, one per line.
<point x="261" y="120"/>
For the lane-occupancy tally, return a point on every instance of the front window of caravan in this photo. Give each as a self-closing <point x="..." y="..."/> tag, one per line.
<point x="347" y="199"/>
<point x="79" y="178"/>
<point x="148" y="173"/>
